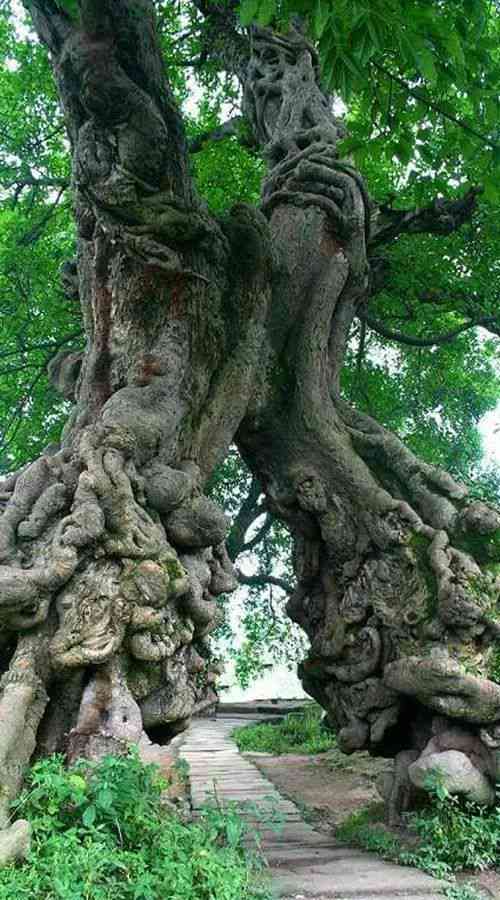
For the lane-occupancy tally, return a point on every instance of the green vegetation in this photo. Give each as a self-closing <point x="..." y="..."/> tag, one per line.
<point x="365" y="829"/>
<point x="455" y="835"/>
<point x="297" y="733"/>
<point x="100" y="832"/>
<point x="449" y="836"/>
<point x="462" y="892"/>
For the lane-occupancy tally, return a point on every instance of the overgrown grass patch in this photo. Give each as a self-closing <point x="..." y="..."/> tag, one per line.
<point x="100" y="831"/>
<point x="300" y="732"/>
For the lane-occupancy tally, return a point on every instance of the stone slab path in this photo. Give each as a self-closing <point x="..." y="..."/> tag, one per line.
<point x="303" y="862"/>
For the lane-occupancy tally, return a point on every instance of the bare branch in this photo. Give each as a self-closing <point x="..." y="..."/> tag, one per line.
<point x="31" y="181"/>
<point x="432" y="341"/>
<point x="31" y="236"/>
<point x="231" y="128"/>
<point x="249" y="511"/>
<point x="440" y="217"/>
<point x="260" y="534"/>
<point x="262" y="580"/>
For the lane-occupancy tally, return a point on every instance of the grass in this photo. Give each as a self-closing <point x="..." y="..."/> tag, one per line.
<point x="364" y="829"/>
<point x="300" y="732"/>
<point x="100" y="831"/>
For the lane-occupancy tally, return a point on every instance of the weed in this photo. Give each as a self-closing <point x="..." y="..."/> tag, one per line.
<point x="454" y="834"/>
<point x="462" y="892"/>
<point x="301" y="732"/>
<point x="365" y="829"/>
<point x="100" y="831"/>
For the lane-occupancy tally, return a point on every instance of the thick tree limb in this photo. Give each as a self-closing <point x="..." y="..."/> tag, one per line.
<point x="51" y="22"/>
<point x="221" y="37"/>
<point x="440" y="217"/>
<point x="248" y="512"/>
<point x="433" y="341"/>
<point x="255" y="541"/>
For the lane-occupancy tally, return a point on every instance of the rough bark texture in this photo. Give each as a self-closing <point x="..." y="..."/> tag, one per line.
<point x="199" y="331"/>
<point x="111" y="557"/>
<point x="397" y="586"/>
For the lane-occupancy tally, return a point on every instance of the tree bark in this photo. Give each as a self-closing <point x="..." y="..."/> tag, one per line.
<point x="199" y="331"/>
<point x="111" y="557"/>
<point x="397" y="585"/>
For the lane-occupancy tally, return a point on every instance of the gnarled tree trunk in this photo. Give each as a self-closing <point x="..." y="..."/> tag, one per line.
<point x="200" y="331"/>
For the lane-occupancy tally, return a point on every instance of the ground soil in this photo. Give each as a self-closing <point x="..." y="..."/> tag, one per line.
<point x="331" y="786"/>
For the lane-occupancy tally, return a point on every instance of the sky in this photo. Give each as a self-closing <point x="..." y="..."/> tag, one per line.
<point x="490" y="433"/>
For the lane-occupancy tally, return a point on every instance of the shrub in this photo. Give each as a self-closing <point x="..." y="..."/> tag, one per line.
<point x="301" y="732"/>
<point x="100" y="832"/>
<point x="455" y="834"/>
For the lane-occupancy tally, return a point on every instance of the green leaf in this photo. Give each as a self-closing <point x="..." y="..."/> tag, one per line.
<point x="89" y="816"/>
<point x="248" y="11"/>
<point x="426" y="63"/>
<point x="321" y="17"/>
<point x="70" y="6"/>
<point x="77" y="782"/>
<point x="267" y="12"/>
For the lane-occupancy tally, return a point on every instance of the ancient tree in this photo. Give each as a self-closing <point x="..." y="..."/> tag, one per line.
<point x="202" y="332"/>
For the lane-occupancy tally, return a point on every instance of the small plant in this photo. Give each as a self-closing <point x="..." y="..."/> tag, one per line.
<point x="365" y="829"/>
<point x="301" y="732"/>
<point x="100" y="831"/>
<point x="454" y="834"/>
<point x="462" y="892"/>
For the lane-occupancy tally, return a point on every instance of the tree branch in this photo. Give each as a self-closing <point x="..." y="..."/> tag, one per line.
<point x="25" y="181"/>
<point x="262" y="580"/>
<point x="53" y="25"/>
<point x="248" y="512"/>
<point x="433" y="341"/>
<point x="231" y="128"/>
<point x="221" y="38"/>
<point x="431" y="104"/>
<point x="260" y="534"/>
<point x="440" y="217"/>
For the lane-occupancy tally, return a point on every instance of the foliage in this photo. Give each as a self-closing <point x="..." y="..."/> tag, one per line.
<point x="301" y="732"/>
<point x="99" y="831"/>
<point x="364" y="829"/>
<point x="462" y="892"/>
<point x="455" y="834"/>
<point x="452" y="835"/>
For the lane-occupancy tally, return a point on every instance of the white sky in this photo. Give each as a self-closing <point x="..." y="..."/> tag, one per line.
<point x="490" y="433"/>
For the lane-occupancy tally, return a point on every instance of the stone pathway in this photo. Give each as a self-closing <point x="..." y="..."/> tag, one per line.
<point x="303" y="862"/>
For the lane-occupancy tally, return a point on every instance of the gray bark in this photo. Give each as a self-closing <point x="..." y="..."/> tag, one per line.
<point x="202" y="331"/>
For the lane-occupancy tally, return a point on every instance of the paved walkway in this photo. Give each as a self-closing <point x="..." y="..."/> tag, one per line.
<point x="303" y="862"/>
